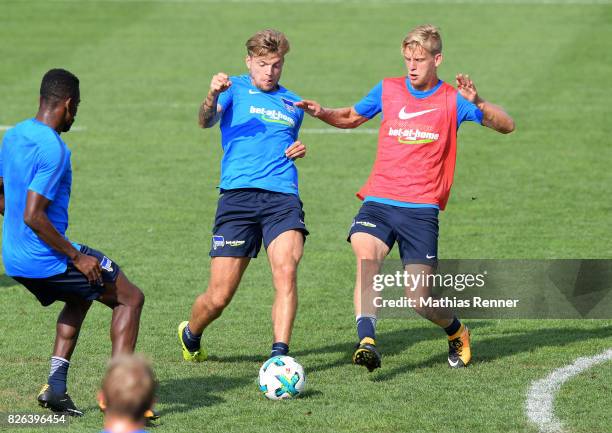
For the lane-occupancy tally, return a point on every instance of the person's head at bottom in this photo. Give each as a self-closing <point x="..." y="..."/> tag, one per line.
<point x="128" y="391"/>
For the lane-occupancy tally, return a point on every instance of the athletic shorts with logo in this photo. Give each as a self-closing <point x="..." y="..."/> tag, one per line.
<point x="414" y="229"/>
<point x="246" y="217"/>
<point x="72" y="283"/>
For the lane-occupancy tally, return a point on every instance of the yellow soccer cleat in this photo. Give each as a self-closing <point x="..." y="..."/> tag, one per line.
<point x="151" y="415"/>
<point x="367" y="355"/>
<point x="459" y="352"/>
<point x="198" y="355"/>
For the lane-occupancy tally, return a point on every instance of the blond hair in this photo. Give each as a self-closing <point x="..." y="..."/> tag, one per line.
<point x="426" y="36"/>
<point x="266" y="42"/>
<point x="129" y="386"/>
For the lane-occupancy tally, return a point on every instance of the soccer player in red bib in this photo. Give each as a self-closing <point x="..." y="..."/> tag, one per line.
<point x="410" y="181"/>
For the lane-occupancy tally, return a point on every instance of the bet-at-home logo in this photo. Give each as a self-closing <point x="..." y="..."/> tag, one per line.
<point x="413" y="136"/>
<point x="273" y="116"/>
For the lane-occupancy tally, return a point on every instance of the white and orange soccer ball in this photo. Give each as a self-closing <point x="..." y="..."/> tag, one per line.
<point x="281" y="377"/>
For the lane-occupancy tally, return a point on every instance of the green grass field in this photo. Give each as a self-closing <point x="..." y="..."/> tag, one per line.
<point x="144" y="193"/>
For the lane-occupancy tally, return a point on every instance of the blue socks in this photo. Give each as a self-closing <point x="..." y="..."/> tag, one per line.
<point x="192" y="341"/>
<point x="58" y="375"/>
<point x="366" y="327"/>
<point x="279" y="349"/>
<point x="453" y="327"/>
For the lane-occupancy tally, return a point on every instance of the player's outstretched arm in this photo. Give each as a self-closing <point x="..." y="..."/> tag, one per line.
<point x="345" y="118"/>
<point x="35" y="217"/>
<point x="493" y="116"/>
<point x="210" y="111"/>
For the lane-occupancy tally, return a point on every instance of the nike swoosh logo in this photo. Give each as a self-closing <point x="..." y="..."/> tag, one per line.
<point x="453" y="364"/>
<point x="405" y="116"/>
<point x="253" y="92"/>
<point x="427" y="256"/>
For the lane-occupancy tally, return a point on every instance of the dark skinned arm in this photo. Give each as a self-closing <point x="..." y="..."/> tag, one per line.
<point x="35" y="217"/>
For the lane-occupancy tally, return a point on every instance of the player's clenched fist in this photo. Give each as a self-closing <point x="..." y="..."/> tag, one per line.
<point x="219" y="83"/>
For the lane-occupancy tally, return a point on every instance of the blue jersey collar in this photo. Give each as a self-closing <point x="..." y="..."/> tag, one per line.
<point x="419" y="94"/>
<point x="254" y="87"/>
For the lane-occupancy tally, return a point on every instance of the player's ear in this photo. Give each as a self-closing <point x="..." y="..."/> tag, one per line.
<point x="101" y="399"/>
<point x="438" y="59"/>
<point x="247" y="61"/>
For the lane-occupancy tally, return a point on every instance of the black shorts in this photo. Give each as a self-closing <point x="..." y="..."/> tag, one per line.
<point x="246" y="217"/>
<point x="71" y="283"/>
<point x="414" y="229"/>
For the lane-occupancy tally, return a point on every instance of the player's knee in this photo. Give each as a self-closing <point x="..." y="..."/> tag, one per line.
<point x="286" y="270"/>
<point x="136" y="298"/>
<point x="218" y="302"/>
<point x="140" y="299"/>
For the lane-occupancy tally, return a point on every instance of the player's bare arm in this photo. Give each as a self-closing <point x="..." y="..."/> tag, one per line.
<point x="35" y="217"/>
<point x="345" y="118"/>
<point x="210" y="111"/>
<point x="296" y="150"/>
<point x="1" y="196"/>
<point x="493" y="116"/>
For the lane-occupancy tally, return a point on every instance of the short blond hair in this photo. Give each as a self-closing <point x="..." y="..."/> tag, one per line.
<point x="266" y="42"/>
<point x="129" y="386"/>
<point x="426" y="36"/>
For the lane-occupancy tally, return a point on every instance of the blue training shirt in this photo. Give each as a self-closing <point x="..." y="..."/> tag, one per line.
<point x="256" y="129"/>
<point x="371" y="105"/>
<point x="33" y="157"/>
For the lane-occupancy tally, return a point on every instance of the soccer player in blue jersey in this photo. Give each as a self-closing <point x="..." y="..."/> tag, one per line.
<point x="35" y="183"/>
<point x="259" y="199"/>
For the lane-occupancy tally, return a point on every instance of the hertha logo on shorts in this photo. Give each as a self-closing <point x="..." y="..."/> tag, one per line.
<point x="218" y="242"/>
<point x="106" y="264"/>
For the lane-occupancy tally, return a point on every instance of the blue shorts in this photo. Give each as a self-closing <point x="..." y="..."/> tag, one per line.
<point x="414" y="229"/>
<point x="247" y="216"/>
<point x="71" y="283"/>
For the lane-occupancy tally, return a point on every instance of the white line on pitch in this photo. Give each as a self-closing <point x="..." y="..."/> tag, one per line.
<point x="339" y="131"/>
<point x="75" y="128"/>
<point x="303" y="130"/>
<point x="541" y="395"/>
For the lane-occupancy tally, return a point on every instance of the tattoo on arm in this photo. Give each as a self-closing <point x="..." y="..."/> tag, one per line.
<point x="208" y="115"/>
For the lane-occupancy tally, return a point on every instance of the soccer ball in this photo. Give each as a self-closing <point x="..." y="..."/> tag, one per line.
<point x="281" y="377"/>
